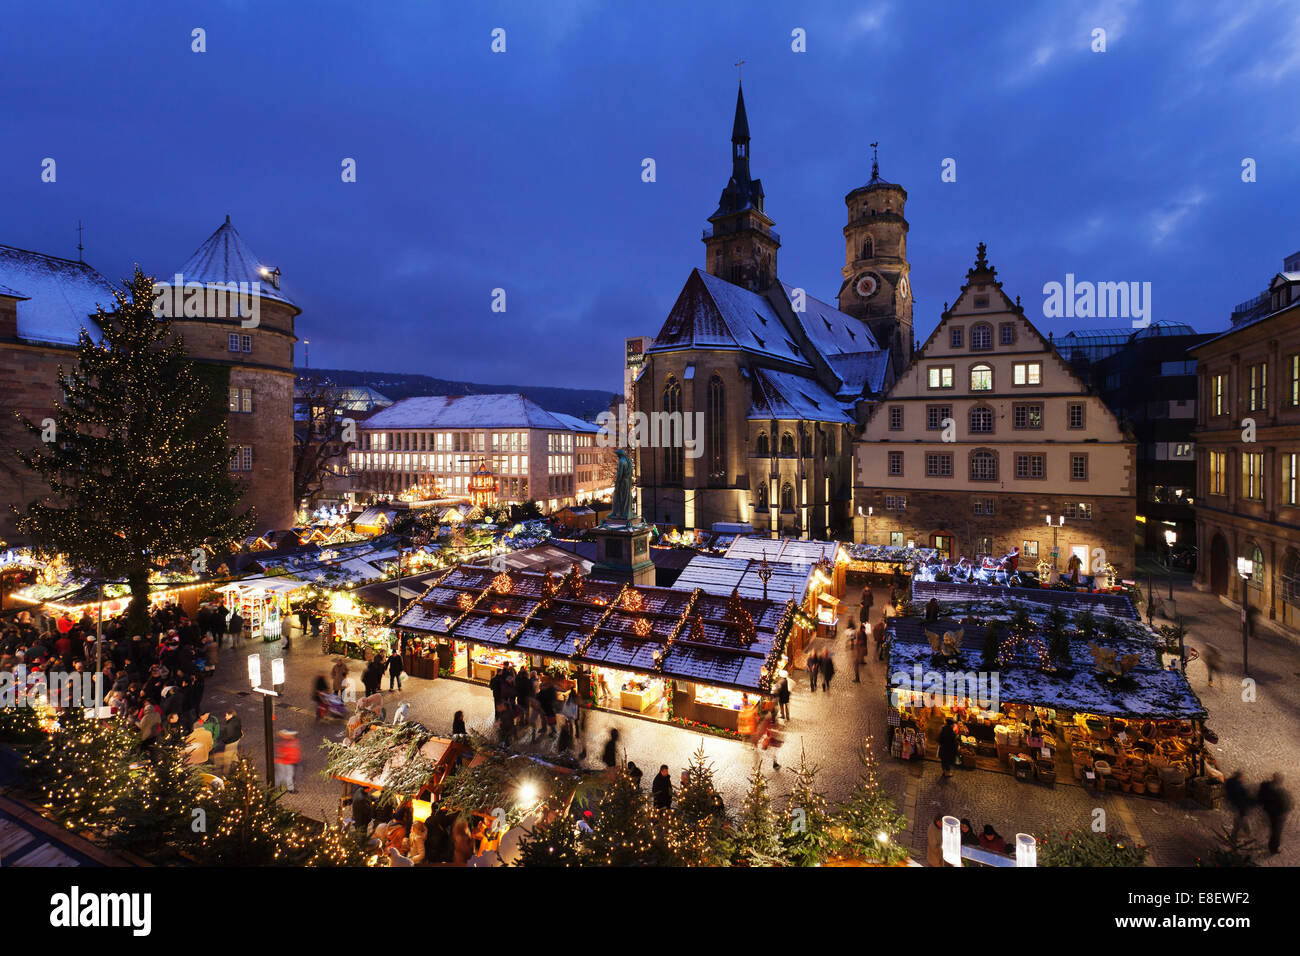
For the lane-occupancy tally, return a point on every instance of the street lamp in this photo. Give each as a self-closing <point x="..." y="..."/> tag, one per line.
<point x="1055" y="523"/>
<point x="1245" y="568"/>
<point x="1026" y="850"/>
<point x="1170" y="537"/>
<point x="268" y="704"/>
<point x="952" y="841"/>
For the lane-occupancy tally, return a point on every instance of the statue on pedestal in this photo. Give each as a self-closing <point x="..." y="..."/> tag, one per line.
<point x="623" y="506"/>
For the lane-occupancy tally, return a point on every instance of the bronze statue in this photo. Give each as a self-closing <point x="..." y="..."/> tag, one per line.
<point x="623" y="506"/>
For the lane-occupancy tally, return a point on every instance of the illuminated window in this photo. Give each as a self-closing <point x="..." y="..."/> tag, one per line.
<point x="981" y="378"/>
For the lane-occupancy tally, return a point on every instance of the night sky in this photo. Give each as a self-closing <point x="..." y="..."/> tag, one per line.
<point x="523" y="170"/>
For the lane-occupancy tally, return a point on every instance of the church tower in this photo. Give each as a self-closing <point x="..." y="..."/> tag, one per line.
<point x="740" y="245"/>
<point x="876" y="287"/>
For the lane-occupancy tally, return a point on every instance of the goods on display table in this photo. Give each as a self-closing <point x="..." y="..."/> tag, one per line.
<point x="263" y="604"/>
<point x="717" y="706"/>
<point x="638" y="695"/>
<point x="485" y="662"/>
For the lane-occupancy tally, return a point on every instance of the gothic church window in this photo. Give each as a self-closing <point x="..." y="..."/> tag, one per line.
<point x="716" y="439"/>
<point x="761" y="445"/>
<point x="787" y="443"/>
<point x="673" y="457"/>
<point x="787" y="497"/>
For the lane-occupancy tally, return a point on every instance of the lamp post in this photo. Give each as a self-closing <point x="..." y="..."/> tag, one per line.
<point x="1026" y="850"/>
<point x="1245" y="568"/>
<point x="1055" y="524"/>
<point x="1170" y="537"/>
<point x="268" y="705"/>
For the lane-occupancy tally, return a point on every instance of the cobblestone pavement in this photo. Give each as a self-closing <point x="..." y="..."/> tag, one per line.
<point x="1259" y="736"/>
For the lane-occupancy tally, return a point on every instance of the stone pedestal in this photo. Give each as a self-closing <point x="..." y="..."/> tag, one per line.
<point x="623" y="553"/>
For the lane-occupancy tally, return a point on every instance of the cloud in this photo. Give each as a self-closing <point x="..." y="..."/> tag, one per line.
<point x="1165" y="220"/>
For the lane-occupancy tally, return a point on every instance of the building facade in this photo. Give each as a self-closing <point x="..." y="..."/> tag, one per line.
<point x="776" y="379"/>
<point x="430" y="447"/>
<point x="987" y="434"/>
<point x="1248" y="454"/>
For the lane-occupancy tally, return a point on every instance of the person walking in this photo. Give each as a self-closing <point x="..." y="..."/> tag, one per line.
<point x="1239" y="798"/>
<point x="814" y="667"/>
<point x="868" y="600"/>
<point x="395" y="670"/>
<point x="1276" y="804"/>
<point x="878" y="635"/>
<point x="1213" y="662"/>
<point x="609" y="756"/>
<point x="236" y="627"/>
<point x="338" y="673"/>
<point x="947" y="747"/>
<point x="783" y="696"/>
<point x="827" y="671"/>
<point x="934" y="842"/>
<point x="288" y="754"/>
<point x="662" y="789"/>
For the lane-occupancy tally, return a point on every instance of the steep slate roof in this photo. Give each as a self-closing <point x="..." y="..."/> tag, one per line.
<point x="859" y="372"/>
<point x="57" y="297"/>
<point x="225" y="257"/>
<point x="831" y="331"/>
<point x="786" y="395"/>
<point x="576" y="424"/>
<point x="472" y="411"/>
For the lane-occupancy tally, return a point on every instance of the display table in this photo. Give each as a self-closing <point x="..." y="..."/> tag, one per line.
<point x="637" y="700"/>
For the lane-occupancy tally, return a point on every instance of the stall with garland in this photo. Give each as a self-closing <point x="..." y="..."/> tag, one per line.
<point x="264" y="604"/>
<point x="687" y="657"/>
<point x="1050" y="691"/>
<point x="355" y="629"/>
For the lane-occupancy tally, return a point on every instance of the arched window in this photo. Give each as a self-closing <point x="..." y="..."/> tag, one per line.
<point x="787" y="497"/>
<point x="983" y="465"/>
<point x="787" y="443"/>
<point x="761" y="445"/>
<point x="673" y="457"/>
<point x="981" y="378"/>
<point x="715" y="441"/>
<point x="762" y="496"/>
<point x="981" y="420"/>
<point x="866" y="248"/>
<point x="981" y="337"/>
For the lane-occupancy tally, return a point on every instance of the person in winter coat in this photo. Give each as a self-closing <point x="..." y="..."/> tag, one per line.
<point x="948" y="747"/>
<point x="934" y="842"/>
<point x="634" y="772"/>
<point x="1276" y="804"/>
<point x="662" y="789"/>
<point x="458" y="724"/>
<point x="338" y="673"/>
<point x="236" y="629"/>
<point x="783" y="696"/>
<point x="827" y="671"/>
<point x="395" y="670"/>
<point x="1239" y="798"/>
<point x="609" y="756"/>
<point x="288" y="754"/>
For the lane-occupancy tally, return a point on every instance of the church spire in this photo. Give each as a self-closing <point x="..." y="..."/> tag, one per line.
<point x="740" y="141"/>
<point x="741" y="246"/>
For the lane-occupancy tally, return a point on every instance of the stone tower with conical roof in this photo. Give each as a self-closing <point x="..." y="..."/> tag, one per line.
<point x="739" y="245"/>
<point x="242" y="328"/>
<point x="876" y="286"/>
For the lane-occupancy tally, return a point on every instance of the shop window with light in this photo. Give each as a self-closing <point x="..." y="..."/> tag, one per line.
<point x="1027" y="416"/>
<point x="981" y="336"/>
<point x="1256" y="387"/>
<point x="939" y="376"/>
<point x="1029" y="550"/>
<point x="1027" y="373"/>
<point x="981" y="378"/>
<point x="1219" y="394"/>
<point x="1252" y="476"/>
<point x="1218" y="461"/>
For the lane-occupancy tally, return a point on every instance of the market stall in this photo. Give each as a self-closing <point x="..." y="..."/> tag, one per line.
<point x="263" y="603"/>
<point x="355" y="629"/>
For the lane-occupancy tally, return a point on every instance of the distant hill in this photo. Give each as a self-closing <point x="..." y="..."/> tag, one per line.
<point x="585" y="403"/>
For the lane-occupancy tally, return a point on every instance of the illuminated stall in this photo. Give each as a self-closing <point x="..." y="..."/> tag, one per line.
<point x="264" y="604"/>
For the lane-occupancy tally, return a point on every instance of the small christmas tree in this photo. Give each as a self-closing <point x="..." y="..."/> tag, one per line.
<point x="870" y="817"/>
<point x="699" y="805"/>
<point x="757" y="837"/>
<point x="551" y="843"/>
<point x="1058" y="640"/>
<point x="808" y="838"/>
<point x="245" y="825"/>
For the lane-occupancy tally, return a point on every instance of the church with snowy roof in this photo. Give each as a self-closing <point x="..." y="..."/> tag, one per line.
<point x="46" y="300"/>
<point x="783" y="381"/>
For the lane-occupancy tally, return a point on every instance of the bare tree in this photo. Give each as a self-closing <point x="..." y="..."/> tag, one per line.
<point x="322" y="431"/>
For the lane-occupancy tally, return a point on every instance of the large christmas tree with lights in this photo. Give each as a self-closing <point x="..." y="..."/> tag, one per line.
<point x="136" y="454"/>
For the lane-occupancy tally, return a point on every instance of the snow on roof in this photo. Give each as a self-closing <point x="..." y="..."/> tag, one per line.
<point x="472" y="411"/>
<point x="714" y="313"/>
<point x="576" y="424"/>
<point x="831" y="331"/>
<point x="787" y="395"/>
<point x="61" y="296"/>
<point x="225" y="257"/>
<point x="783" y="550"/>
<point x="861" y="372"/>
<point x="719" y="575"/>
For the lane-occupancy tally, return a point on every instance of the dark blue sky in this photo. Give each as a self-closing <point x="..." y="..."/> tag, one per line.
<point x="522" y="170"/>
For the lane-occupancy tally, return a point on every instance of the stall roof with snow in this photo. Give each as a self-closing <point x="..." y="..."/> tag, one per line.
<point x="783" y="550"/>
<point x="719" y="575"/>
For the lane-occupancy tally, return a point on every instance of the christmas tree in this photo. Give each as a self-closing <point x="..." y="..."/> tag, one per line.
<point x="870" y="819"/>
<point x="137" y="461"/>
<point x="553" y="842"/>
<point x="244" y="825"/>
<point x="808" y="838"/>
<point x="155" y="813"/>
<point x="83" y="769"/>
<point x="700" y="808"/>
<point x="757" y="837"/>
